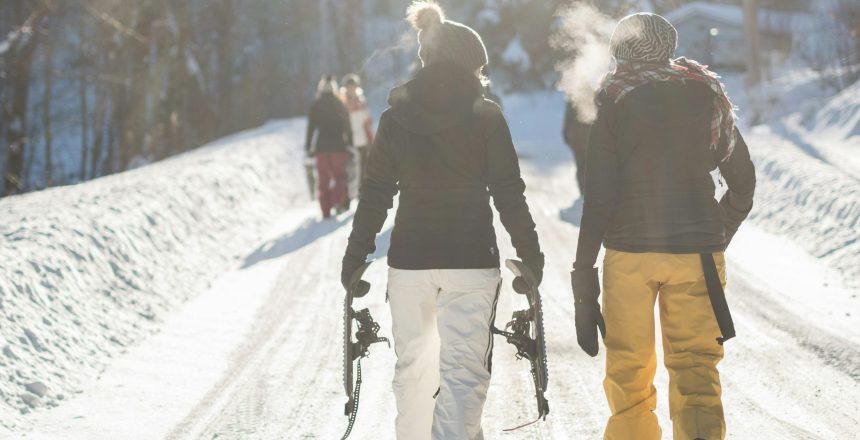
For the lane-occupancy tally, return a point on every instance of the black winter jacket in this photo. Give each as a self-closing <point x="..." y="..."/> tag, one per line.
<point x="330" y="117"/>
<point x="648" y="181"/>
<point x="447" y="151"/>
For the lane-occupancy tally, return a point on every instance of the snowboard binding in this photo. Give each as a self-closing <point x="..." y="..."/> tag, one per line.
<point x="366" y="334"/>
<point x="525" y="332"/>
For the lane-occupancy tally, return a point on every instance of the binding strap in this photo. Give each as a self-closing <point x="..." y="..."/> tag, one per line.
<point x="718" y="299"/>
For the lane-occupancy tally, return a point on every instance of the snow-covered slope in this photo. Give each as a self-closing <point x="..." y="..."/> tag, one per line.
<point x="797" y="105"/>
<point x="808" y="201"/>
<point x="803" y="141"/>
<point x="87" y="270"/>
<point x="840" y="118"/>
<point x="834" y="129"/>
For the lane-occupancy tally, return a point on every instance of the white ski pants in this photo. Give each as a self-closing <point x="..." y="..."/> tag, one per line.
<point x="441" y="324"/>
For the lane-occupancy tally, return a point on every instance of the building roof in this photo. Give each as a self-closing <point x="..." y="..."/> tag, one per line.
<point x="727" y="14"/>
<point x="733" y="15"/>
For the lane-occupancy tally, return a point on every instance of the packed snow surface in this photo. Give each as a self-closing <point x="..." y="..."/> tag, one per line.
<point x="257" y="355"/>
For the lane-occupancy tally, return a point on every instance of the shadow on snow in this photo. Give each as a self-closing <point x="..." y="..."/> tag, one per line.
<point x="383" y="242"/>
<point x="310" y="231"/>
<point x="573" y="213"/>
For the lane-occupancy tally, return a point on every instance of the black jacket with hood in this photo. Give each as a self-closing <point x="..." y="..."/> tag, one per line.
<point x="648" y="176"/>
<point x="447" y="150"/>
<point x="329" y="117"/>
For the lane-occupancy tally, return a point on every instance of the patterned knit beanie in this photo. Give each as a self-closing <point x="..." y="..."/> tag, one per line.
<point x="447" y="40"/>
<point x="644" y="37"/>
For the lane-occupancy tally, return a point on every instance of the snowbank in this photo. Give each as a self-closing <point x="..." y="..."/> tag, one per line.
<point x="840" y="118"/>
<point x="87" y="270"/>
<point x="805" y="149"/>
<point x="833" y="130"/>
<point x="807" y="201"/>
<point x="799" y="106"/>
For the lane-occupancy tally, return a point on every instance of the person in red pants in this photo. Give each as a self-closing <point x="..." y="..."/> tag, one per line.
<point x="328" y="121"/>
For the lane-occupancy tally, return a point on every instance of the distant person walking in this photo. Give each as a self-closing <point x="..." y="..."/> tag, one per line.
<point x="662" y="126"/>
<point x="327" y="139"/>
<point x="447" y="151"/>
<point x="361" y="123"/>
<point x="575" y="134"/>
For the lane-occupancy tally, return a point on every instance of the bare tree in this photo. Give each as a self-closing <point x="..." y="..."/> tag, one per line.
<point x="752" y="44"/>
<point x="47" y="97"/>
<point x="848" y="14"/>
<point x="19" y="60"/>
<point x="223" y="11"/>
<point x="156" y="77"/>
<point x="83" y="99"/>
<point x="349" y="34"/>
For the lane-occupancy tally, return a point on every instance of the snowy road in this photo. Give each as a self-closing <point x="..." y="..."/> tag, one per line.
<point x="258" y="356"/>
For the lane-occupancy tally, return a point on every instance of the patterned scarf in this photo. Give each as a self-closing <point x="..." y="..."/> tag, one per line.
<point x="630" y="75"/>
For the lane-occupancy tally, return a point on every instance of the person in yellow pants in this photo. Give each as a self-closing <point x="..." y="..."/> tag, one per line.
<point x="633" y="283"/>
<point x="663" y="125"/>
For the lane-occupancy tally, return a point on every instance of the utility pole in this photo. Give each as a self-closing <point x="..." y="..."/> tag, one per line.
<point x="752" y="34"/>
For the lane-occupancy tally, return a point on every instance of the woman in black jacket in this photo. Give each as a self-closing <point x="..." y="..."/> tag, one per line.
<point x="663" y="125"/>
<point x="329" y="119"/>
<point x="447" y="150"/>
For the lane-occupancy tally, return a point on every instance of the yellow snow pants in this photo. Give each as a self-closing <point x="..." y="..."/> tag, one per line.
<point x="632" y="283"/>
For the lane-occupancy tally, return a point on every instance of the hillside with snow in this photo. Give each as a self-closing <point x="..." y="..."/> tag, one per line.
<point x="805" y="146"/>
<point x="92" y="269"/>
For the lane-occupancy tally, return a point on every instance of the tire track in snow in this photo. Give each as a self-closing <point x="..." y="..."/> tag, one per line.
<point x="834" y="350"/>
<point x="241" y="386"/>
<point x="297" y="385"/>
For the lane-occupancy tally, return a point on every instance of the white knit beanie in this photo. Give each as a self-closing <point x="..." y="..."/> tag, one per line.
<point x="644" y="37"/>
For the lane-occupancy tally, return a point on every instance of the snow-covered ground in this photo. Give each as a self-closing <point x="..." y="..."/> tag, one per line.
<point x="256" y="355"/>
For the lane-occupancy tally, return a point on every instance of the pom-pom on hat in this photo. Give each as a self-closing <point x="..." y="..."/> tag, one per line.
<point x="442" y="39"/>
<point x="644" y="37"/>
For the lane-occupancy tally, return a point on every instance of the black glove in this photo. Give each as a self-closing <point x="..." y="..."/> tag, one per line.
<point x="350" y="265"/>
<point x="586" y="289"/>
<point x="535" y="264"/>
